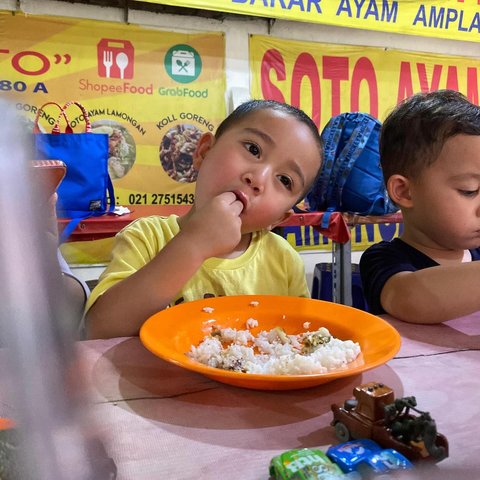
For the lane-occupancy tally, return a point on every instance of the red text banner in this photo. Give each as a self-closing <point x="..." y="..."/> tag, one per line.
<point x="326" y="79"/>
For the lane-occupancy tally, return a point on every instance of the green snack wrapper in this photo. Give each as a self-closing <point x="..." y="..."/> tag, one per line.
<point x="304" y="464"/>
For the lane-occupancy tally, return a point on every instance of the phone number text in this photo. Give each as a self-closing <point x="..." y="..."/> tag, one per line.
<point x="161" y="199"/>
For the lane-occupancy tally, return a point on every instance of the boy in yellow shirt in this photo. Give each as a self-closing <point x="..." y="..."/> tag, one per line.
<point x="261" y="161"/>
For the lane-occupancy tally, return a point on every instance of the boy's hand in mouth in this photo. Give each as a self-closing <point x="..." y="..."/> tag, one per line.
<point x="216" y="227"/>
<point x="241" y="197"/>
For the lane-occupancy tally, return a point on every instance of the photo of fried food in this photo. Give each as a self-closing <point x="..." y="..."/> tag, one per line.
<point x="176" y="152"/>
<point x="121" y="147"/>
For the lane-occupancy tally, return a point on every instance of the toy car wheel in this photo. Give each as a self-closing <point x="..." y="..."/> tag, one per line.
<point x="342" y="432"/>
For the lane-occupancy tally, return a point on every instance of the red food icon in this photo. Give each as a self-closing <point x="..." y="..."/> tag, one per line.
<point x="115" y="58"/>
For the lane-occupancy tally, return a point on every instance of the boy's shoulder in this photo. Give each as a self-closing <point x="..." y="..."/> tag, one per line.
<point x="396" y="245"/>
<point x="275" y="243"/>
<point x="152" y="222"/>
<point x="152" y="230"/>
<point x="395" y="253"/>
<point x="274" y="237"/>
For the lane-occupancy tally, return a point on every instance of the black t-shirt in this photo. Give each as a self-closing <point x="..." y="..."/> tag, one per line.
<point x="383" y="260"/>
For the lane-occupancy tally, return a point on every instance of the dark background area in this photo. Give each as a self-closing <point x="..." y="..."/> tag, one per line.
<point x="158" y="8"/>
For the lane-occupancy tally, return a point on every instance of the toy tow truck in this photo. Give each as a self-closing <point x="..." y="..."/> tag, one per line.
<point x="374" y="413"/>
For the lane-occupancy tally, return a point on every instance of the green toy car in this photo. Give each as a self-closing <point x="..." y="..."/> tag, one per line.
<point x="305" y="464"/>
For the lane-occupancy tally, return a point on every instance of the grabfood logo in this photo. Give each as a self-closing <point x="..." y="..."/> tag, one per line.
<point x="183" y="63"/>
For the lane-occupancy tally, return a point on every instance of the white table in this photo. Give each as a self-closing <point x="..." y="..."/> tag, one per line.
<point x="160" y="421"/>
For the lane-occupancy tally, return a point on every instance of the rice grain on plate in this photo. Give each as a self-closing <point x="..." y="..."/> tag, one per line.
<point x="274" y="352"/>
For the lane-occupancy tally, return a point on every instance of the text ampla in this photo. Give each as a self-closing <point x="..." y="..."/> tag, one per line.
<point x="446" y="18"/>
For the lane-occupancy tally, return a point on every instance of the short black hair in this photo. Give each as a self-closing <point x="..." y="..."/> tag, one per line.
<point x="414" y="133"/>
<point x="250" y="106"/>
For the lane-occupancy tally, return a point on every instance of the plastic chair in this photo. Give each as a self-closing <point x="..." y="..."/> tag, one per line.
<point x="322" y="285"/>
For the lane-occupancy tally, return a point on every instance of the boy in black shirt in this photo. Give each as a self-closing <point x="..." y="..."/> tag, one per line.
<point x="430" y="155"/>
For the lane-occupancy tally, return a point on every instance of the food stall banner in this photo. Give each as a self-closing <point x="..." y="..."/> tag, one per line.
<point x="153" y="92"/>
<point x="326" y="79"/>
<point x="304" y="238"/>
<point x="452" y="19"/>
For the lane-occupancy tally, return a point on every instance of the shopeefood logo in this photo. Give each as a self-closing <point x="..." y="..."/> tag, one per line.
<point x="183" y="63"/>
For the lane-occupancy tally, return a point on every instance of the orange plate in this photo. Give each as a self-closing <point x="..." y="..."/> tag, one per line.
<point x="170" y="333"/>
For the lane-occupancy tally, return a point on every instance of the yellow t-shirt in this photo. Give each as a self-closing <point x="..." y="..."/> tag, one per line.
<point x="270" y="265"/>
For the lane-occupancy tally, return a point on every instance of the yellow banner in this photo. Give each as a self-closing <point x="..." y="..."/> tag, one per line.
<point x="153" y="92"/>
<point x="325" y="80"/>
<point x="453" y="19"/>
<point x="362" y="236"/>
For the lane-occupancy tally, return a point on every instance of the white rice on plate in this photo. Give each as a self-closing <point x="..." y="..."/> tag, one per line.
<point x="274" y="352"/>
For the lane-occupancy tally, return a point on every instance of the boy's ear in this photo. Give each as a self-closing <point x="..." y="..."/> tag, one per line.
<point x="398" y="188"/>
<point x="281" y="219"/>
<point x="204" y="144"/>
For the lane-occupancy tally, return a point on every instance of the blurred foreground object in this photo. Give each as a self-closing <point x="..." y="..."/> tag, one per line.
<point x="49" y="174"/>
<point x="55" y="439"/>
<point x="9" y="467"/>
